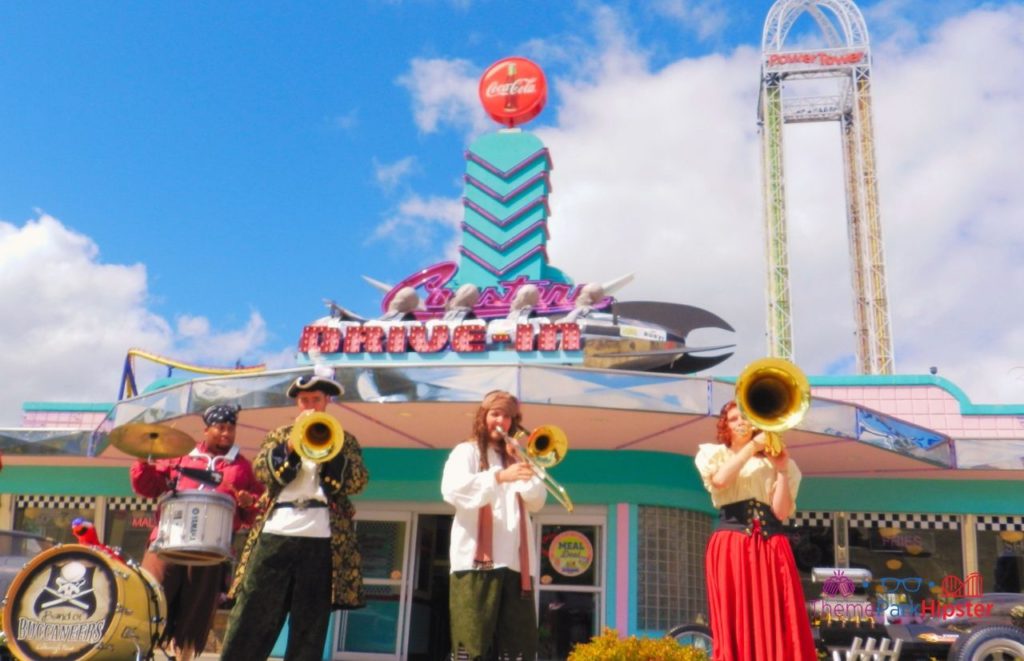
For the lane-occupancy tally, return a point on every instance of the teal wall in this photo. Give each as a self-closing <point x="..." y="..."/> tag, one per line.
<point x="592" y="477"/>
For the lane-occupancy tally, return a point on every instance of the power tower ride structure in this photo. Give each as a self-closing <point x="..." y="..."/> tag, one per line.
<point x="844" y="61"/>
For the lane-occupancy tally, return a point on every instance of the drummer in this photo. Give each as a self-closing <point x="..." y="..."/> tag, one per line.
<point x="193" y="592"/>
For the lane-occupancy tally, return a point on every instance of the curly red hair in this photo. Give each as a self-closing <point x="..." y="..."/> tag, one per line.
<point x="722" y="432"/>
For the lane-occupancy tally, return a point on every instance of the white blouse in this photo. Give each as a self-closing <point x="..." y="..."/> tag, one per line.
<point x="468" y="489"/>
<point x="755" y="479"/>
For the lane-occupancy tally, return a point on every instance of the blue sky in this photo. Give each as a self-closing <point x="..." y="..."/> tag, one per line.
<point x="193" y="178"/>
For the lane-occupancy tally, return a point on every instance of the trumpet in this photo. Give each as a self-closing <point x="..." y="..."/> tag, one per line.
<point x="317" y="436"/>
<point x="773" y="394"/>
<point x="546" y="446"/>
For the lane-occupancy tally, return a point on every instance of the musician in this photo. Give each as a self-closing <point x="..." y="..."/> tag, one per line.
<point x="301" y="558"/>
<point x="492" y="546"/>
<point x="193" y="592"/>
<point x="756" y="601"/>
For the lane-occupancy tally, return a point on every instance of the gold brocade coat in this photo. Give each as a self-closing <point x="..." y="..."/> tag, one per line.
<point x="347" y="583"/>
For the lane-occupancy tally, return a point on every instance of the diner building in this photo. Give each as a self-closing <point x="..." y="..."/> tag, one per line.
<point x="903" y="474"/>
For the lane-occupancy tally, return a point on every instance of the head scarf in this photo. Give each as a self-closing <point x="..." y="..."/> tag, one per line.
<point x="221" y="414"/>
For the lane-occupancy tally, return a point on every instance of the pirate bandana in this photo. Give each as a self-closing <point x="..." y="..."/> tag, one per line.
<point x="220" y="414"/>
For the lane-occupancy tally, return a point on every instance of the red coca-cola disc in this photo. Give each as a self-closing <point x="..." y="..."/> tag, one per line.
<point x="513" y="91"/>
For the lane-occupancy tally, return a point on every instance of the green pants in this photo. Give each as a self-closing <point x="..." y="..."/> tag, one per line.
<point x="491" y="617"/>
<point x="285" y="576"/>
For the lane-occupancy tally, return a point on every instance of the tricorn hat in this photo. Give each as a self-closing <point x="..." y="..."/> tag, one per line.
<point x="321" y="379"/>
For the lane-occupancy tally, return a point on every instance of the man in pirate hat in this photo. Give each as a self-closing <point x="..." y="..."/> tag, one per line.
<point x="301" y="557"/>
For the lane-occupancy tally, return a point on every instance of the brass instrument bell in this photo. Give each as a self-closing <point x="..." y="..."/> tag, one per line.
<point x="773" y="395"/>
<point x="317" y="436"/>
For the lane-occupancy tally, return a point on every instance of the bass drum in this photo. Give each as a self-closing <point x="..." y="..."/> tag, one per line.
<point x="76" y="602"/>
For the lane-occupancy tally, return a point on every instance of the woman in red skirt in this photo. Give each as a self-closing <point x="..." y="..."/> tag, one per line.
<point x="756" y="603"/>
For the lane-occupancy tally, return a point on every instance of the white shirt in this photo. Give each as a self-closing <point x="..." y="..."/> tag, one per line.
<point x="468" y="489"/>
<point x="756" y="478"/>
<point x="293" y="522"/>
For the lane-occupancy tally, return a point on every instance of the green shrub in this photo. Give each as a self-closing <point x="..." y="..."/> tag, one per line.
<point x="609" y="647"/>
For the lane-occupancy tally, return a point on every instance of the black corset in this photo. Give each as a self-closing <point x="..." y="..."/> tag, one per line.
<point x="749" y="516"/>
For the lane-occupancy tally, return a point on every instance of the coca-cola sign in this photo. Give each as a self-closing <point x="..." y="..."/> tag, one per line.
<point x="513" y="91"/>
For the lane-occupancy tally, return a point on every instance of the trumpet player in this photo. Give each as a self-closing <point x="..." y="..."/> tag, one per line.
<point x="301" y="558"/>
<point x="492" y="547"/>
<point x="755" y="598"/>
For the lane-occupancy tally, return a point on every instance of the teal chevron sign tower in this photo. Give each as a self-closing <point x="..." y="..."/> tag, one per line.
<point x="505" y="227"/>
<point x="504" y="231"/>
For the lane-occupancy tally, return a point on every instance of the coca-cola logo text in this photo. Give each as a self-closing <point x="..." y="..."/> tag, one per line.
<point x="518" y="86"/>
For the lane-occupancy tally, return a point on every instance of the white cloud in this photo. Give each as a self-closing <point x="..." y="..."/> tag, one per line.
<point x="390" y="175"/>
<point x="657" y="172"/>
<point x="70" y="319"/>
<point x="444" y="92"/>
<point x="419" y="221"/>
<point x="706" y="19"/>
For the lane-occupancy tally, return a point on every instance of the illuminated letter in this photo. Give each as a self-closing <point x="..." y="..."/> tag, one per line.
<point x="396" y="339"/>
<point x="419" y="342"/>
<point x="469" y="339"/>
<point x="524" y="337"/>
<point x="371" y="336"/>
<point x="325" y="339"/>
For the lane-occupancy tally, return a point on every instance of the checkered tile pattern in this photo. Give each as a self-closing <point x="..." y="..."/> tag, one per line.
<point x="1000" y="523"/>
<point x="906" y="521"/>
<point x="131" y="503"/>
<point x="891" y="520"/>
<point x="811" y="520"/>
<point x="47" y="501"/>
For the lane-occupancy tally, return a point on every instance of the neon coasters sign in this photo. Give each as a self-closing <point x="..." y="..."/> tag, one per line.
<point x="436" y="282"/>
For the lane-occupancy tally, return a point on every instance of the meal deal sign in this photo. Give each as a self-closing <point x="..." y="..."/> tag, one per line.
<point x="571" y="553"/>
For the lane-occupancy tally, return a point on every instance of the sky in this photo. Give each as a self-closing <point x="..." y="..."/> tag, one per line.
<point x="193" y="179"/>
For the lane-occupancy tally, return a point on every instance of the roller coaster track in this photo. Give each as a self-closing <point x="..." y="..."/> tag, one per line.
<point x="129" y="389"/>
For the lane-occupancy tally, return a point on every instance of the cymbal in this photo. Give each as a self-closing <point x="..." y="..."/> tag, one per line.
<point x="151" y="441"/>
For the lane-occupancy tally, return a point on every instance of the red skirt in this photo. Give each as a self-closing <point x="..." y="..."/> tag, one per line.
<point x="756" y="602"/>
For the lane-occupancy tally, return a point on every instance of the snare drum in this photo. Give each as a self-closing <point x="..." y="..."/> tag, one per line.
<point x="195" y="528"/>
<point x="77" y="602"/>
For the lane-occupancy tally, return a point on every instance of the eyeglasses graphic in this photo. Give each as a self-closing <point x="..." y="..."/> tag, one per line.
<point x="890" y="584"/>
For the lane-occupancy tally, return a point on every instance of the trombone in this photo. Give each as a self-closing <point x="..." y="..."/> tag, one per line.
<point x="317" y="436"/>
<point x="773" y="394"/>
<point x="546" y="446"/>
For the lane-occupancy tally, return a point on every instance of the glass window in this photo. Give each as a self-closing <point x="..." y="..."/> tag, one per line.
<point x="907" y="564"/>
<point x="53" y="522"/>
<point x="1001" y="560"/>
<point x="813" y="546"/>
<point x="568" y="555"/>
<point x="566" y="618"/>
<point x="129" y="530"/>
<point x="374" y="629"/>
<point x="570" y="587"/>
<point x="670" y="575"/>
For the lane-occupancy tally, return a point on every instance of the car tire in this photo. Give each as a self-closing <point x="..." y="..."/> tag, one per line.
<point x="995" y="643"/>
<point x="695" y="635"/>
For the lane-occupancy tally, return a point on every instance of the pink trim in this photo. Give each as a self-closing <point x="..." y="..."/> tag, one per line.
<point x="622" y="569"/>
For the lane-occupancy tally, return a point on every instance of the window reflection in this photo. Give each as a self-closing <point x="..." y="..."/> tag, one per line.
<point x="1001" y="560"/>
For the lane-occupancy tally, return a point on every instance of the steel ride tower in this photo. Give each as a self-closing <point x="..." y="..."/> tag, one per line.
<point x="846" y="59"/>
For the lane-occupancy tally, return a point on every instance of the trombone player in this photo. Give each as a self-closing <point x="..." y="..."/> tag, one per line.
<point x="301" y="558"/>
<point x="492" y="547"/>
